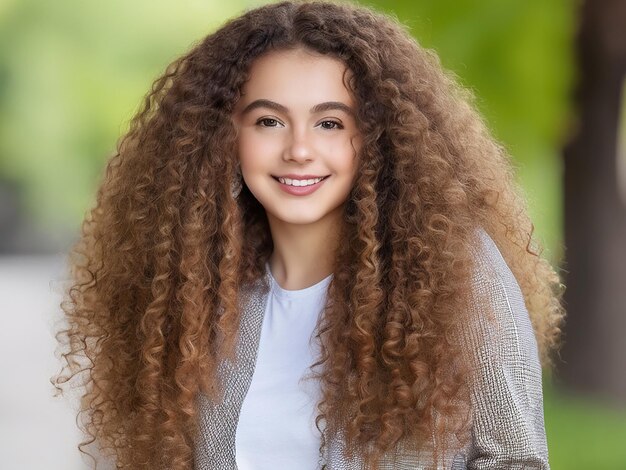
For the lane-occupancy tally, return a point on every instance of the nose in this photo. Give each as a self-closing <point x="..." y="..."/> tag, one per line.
<point x="298" y="149"/>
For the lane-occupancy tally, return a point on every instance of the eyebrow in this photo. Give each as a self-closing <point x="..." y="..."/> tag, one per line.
<point x="318" y="108"/>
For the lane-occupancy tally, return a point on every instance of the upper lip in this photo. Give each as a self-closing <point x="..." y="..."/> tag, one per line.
<point x="293" y="176"/>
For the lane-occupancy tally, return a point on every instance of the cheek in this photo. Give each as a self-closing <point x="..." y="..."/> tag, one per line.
<point x="256" y="150"/>
<point x="346" y="158"/>
<point x="245" y="149"/>
<point x="250" y="155"/>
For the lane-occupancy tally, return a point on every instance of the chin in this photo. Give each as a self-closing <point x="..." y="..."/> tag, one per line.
<point x="298" y="220"/>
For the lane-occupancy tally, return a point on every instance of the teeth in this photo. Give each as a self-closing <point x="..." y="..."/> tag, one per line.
<point x="291" y="182"/>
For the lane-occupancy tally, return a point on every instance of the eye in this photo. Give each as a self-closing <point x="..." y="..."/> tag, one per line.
<point x="267" y="122"/>
<point x="334" y="125"/>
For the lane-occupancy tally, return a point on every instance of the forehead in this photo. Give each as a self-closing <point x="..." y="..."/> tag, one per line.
<point x="297" y="75"/>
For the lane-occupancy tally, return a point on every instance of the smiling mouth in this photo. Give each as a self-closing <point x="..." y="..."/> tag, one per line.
<point x="299" y="182"/>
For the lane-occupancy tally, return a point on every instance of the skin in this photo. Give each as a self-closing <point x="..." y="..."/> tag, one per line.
<point x="276" y="142"/>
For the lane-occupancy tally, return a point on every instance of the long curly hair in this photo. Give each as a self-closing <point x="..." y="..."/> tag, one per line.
<point x="163" y="256"/>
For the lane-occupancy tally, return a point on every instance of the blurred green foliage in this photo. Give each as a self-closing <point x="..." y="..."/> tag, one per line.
<point x="72" y="74"/>
<point x="517" y="58"/>
<point x="582" y="433"/>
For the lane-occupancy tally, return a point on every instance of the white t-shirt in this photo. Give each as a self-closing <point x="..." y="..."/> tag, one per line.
<point x="276" y="427"/>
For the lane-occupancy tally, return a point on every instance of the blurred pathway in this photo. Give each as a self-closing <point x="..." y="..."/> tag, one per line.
<point x="37" y="431"/>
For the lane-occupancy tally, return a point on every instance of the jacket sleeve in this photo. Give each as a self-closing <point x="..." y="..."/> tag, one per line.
<point x="508" y="430"/>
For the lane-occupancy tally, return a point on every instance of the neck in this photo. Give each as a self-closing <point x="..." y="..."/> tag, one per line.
<point x="304" y="253"/>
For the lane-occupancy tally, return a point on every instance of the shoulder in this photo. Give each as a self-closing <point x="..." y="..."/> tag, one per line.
<point x="497" y="300"/>
<point x="490" y="268"/>
<point x="498" y="311"/>
<point x="507" y="392"/>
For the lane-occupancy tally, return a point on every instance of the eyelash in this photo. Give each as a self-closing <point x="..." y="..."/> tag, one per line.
<point x="337" y="124"/>
<point x="264" y="120"/>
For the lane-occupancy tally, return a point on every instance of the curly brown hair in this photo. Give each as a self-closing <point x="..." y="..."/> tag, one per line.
<point x="157" y="273"/>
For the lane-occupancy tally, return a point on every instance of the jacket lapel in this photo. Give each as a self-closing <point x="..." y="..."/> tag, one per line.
<point x="215" y="446"/>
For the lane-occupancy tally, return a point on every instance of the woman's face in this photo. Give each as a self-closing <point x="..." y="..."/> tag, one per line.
<point x="296" y="120"/>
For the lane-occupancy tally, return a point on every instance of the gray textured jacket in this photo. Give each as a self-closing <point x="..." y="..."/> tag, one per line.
<point x="508" y="430"/>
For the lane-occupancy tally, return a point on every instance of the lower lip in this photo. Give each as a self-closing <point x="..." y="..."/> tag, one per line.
<point x="300" y="190"/>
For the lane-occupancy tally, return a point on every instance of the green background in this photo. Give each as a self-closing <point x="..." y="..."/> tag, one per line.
<point x="72" y="74"/>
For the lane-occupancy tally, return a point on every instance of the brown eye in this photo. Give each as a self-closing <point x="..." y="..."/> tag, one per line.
<point x="334" y="125"/>
<point x="267" y="122"/>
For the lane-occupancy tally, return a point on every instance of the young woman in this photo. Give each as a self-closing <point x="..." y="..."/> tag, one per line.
<point x="308" y="251"/>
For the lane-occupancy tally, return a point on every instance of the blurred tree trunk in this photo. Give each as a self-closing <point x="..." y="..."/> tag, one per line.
<point x="594" y="353"/>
